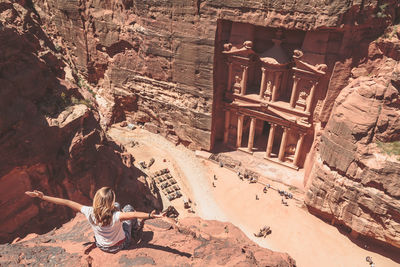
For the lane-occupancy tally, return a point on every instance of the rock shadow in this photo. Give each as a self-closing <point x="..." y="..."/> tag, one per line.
<point x="147" y="236"/>
<point x="372" y="245"/>
<point x="51" y="139"/>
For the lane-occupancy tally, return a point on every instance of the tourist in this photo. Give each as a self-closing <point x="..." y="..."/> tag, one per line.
<point x="112" y="228"/>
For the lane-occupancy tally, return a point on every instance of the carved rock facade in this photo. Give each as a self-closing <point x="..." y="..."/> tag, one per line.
<point x="159" y="62"/>
<point x="165" y="63"/>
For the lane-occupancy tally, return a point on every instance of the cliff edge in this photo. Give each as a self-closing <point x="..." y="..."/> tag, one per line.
<point x="190" y="242"/>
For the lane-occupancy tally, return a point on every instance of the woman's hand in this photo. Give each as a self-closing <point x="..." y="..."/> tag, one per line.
<point x="35" y="193"/>
<point x="55" y="200"/>
<point x="154" y="215"/>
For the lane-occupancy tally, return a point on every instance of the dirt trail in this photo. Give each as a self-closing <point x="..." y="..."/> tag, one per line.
<point x="184" y="165"/>
<point x="309" y="240"/>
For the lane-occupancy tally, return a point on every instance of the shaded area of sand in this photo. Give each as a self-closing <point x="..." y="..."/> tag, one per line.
<point x="310" y="241"/>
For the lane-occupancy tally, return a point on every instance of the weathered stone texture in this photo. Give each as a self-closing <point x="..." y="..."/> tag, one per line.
<point x="48" y="142"/>
<point x="128" y="47"/>
<point x="156" y="62"/>
<point x="191" y="242"/>
<point x="353" y="180"/>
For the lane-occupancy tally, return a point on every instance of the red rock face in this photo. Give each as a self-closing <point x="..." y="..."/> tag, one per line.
<point x="157" y="62"/>
<point x="160" y="56"/>
<point x="193" y="242"/>
<point x="353" y="181"/>
<point x="47" y="142"/>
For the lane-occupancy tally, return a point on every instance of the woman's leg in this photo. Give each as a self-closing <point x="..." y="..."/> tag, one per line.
<point x="128" y="225"/>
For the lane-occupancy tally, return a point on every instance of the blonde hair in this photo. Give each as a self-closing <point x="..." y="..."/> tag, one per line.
<point x="103" y="206"/>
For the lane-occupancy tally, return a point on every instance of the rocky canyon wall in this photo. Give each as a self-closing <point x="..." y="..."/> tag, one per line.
<point x="354" y="180"/>
<point x="50" y="137"/>
<point x="154" y="61"/>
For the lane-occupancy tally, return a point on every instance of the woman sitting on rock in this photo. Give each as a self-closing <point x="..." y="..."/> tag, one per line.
<point x="112" y="228"/>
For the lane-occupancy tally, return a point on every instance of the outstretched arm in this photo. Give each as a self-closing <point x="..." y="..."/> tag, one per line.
<point x="59" y="201"/>
<point x="124" y="216"/>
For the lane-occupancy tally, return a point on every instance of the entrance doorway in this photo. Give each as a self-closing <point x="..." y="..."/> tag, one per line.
<point x="261" y="136"/>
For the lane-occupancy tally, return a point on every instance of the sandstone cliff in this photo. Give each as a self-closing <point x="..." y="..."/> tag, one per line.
<point x="50" y="138"/>
<point x="355" y="181"/>
<point x="191" y="242"/>
<point x="155" y="61"/>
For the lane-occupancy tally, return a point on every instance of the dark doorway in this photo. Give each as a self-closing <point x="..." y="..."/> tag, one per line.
<point x="261" y="136"/>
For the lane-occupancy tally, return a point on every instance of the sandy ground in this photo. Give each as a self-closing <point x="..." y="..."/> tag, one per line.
<point x="309" y="240"/>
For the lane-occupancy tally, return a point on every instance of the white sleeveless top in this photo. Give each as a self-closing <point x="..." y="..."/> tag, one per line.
<point x="106" y="236"/>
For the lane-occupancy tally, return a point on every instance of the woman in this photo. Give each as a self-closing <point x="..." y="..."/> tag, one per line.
<point x="112" y="228"/>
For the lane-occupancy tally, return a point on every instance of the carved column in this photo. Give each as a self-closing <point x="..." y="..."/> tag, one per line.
<point x="229" y="76"/>
<point x="276" y="85"/>
<point x="311" y="97"/>
<point x="294" y="91"/>
<point x="239" y="130"/>
<point x="244" y="79"/>
<point x="227" y="124"/>
<point x="251" y="134"/>
<point x="282" y="148"/>
<point x="271" y="135"/>
<point x="263" y="82"/>
<point x="297" y="153"/>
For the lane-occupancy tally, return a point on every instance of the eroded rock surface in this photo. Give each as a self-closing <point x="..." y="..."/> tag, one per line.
<point x="191" y="242"/>
<point x="354" y="182"/>
<point x="154" y="61"/>
<point x="50" y="138"/>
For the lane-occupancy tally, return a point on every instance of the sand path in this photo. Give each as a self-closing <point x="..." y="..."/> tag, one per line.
<point x="309" y="240"/>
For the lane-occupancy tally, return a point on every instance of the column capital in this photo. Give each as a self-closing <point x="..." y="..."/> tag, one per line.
<point x="296" y="78"/>
<point x="244" y="66"/>
<point x="302" y="134"/>
<point x="263" y="69"/>
<point x="273" y="124"/>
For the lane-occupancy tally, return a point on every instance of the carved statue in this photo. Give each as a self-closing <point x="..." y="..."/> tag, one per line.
<point x="237" y="86"/>
<point x="303" y="97"/>
<point x="290" y="149"/>
<point x="268" y="92"/>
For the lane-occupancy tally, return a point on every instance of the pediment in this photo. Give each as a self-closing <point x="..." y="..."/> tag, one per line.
<point x="242" y="50"/>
